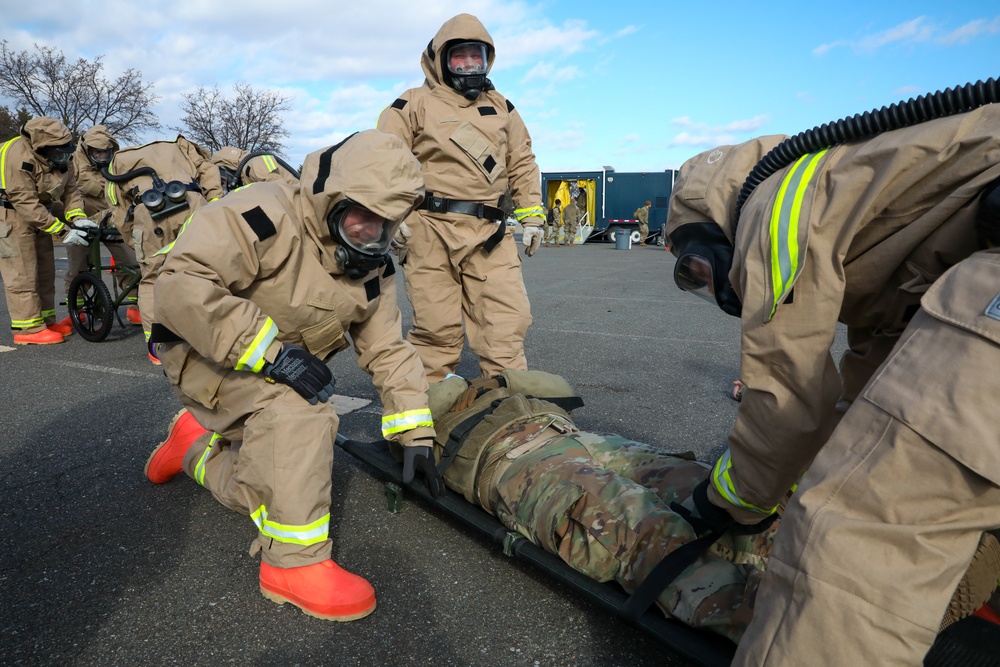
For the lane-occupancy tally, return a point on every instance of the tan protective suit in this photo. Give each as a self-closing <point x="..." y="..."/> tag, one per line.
<point x="260" y="169"/>
<point x="473" y="151"/>
<point x="92" y="185"/>
<point x="860" y="231"/>
<point x="177" y="160"/>
<point x="258" y="270"/>
<point x="885" y="523"/>
<point x="29" y="189"/>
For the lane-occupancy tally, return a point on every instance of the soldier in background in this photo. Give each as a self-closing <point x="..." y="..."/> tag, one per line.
<point x="94" y="152"/>
<point x="553" y="221"/>
<point x="571" y="219"/>
<point x="258" y="169"/>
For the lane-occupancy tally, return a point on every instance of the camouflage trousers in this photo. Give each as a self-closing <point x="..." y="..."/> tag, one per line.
<point x="602" y="504"/>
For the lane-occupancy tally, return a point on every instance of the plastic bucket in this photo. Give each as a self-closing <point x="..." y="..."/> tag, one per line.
<point x="623" y="239"/>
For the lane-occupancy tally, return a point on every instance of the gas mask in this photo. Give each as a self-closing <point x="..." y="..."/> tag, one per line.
<point x="465" y="65"/>
<point x="702" y="268"/>
<point x="362" y="238"/>
<point x="99" y="157"/>
<point x="58" y="156"/>
<point x="229" y="179"/>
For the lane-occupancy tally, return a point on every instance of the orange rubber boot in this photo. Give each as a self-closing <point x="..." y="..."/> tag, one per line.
<point x="132" y="315"/>
<point x="43" y="337"/>
<point x="166" y="460"/>
<point x="324" y="590"/>
<point x="63" y="326"/>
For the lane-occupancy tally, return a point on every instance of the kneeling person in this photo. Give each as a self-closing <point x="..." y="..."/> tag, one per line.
<point x="255" y="295"/>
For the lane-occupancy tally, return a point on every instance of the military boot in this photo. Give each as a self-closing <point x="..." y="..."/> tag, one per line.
<point x="324" y="590"/>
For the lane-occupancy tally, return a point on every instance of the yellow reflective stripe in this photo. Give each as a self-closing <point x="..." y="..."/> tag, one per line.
<point x="784" y="227"/>
<point x="253" y="358"/>
<point x="56" y="227"/>
<point x="533" y="211"/>
<point x="147" y="334"/>
<point x="109" y="192"/>
<point x="724" y="485"/>
<point x="269" y="162"/>
<point x="199" y="468"/>
<point x="27" y="324"/>
<point x="306" y="534"/>
<point x="170" y="246"/>
<point x="51" y="312"/>
<point x="75" y="213"/>
<point x="405" y="421"/>
<point x="3" y="162"/>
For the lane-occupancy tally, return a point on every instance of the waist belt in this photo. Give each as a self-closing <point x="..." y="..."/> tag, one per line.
<point x="473" y="208"/>
<point x="7" y="204"/>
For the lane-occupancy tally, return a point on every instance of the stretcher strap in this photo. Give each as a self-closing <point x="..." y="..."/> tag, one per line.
<point x="665" y="572"/>
<point x="458" y="435"/>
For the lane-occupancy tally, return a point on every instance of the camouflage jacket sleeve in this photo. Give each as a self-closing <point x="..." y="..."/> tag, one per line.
<point x="216" y="256"/>
<point x="522" y="169"/>
<point x="395" y="368"/>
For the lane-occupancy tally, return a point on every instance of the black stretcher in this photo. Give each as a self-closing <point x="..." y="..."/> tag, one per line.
<point x="971" y="642"/>
<point x="696" y="645"/>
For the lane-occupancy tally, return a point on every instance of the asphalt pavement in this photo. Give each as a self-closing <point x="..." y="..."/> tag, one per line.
<point x="100" y="567"/>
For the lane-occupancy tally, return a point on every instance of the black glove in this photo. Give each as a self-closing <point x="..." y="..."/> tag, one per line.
<point x="302" y="371"/>
<point x="421" y="457"/>
<point x="708" y="518"/>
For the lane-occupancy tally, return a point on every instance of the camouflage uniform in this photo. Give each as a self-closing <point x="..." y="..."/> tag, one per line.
<point x="571" y="219"/>
<point x="600" y="502"/>
<point x="552" y="227"/>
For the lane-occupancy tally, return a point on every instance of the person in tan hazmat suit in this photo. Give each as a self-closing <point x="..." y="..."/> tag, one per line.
<point x="256" y="293"/>
<point x="458" y="259"/>
<point x="153" y="189"/>
<point x="855" y="233"/>
<point x="94" y="152"/>
<point x="258" y="169"/>
<point x="36" y="179"/>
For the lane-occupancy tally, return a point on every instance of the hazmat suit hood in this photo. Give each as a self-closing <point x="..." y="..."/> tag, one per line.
<point x="96" y="137"/>
<point x="701" y="223"/>
<point x="48" y="133"/>
<point x="461" y="28"/>
<point x="371" y="168"/>
<point x="229" y="157"/>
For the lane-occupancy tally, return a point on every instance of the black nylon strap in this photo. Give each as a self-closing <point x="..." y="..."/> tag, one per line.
<point x="160" y="334"/>
<point x="665" y="572"/>
<point x="495" y="238"/>
<point x="458" y="435"/>
<point x="475" y="209"/>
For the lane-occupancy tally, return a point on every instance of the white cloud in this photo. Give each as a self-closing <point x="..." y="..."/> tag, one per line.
<point x="696" y="133"/>
<point x="970" y="31"/>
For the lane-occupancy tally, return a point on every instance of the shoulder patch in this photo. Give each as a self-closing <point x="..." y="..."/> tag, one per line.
<point x="372" y="289"/>
<point x="487" y="111"/>
<point x="993" y="310"/>
<point x="260" y="223"/>
<point x="399" y="103"/>
<point x="27" y="166"/>
<point x="390" y="268"/>
<point x="510" y="106"/>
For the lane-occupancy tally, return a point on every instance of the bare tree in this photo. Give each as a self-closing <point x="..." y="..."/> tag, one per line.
<point x="78" y="93"/>
<point x="251" y="119"/>
<point x="10" y="123"/>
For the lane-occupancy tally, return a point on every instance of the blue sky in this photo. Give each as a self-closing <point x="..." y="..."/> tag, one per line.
<point x="639" y="86"/>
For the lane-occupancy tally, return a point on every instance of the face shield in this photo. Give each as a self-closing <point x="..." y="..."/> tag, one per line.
<point x="99" y="157"/>
<point x="229" y="180"/>
<point x="703" y="265"/>
<point x="58" y="156"/>
<point x="363" y="238"/>
<point x="465" y="65"/>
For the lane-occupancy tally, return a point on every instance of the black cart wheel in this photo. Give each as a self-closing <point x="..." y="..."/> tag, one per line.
<point x="89" y="303"/>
